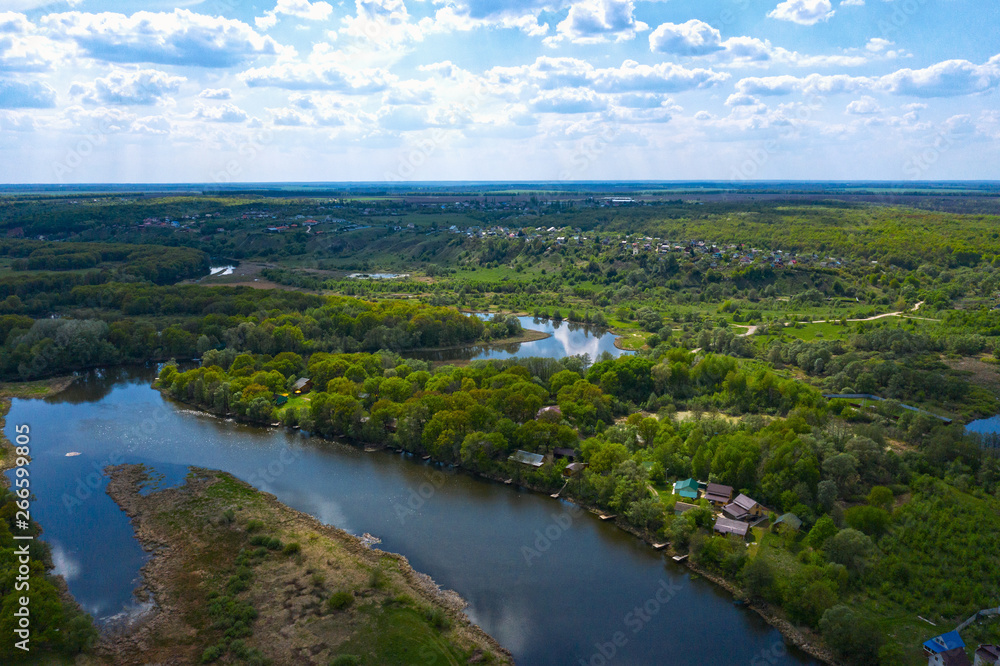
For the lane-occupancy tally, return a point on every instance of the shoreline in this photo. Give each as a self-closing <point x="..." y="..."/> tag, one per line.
<point x="789" y="632"/>
<point x="159" y="573"/>
<point x="529" y="335"/>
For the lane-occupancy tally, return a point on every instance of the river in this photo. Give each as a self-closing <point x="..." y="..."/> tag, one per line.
<point x="552" y="584"/>
<point x="565" y="339"/>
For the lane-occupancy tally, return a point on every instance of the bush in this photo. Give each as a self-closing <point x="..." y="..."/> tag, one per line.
<point x="340" y="601"/>
<point x="254" y="525"/>
<point x="274" y="543"/>
<point x="212" y="653"/>
<point x="437" y="619"/>
<point x="291" y="549"/>
<point x="346" y="660"/>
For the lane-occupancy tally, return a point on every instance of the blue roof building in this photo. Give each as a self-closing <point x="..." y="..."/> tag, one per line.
<point x="944" y="642"/>
<point x="687" y="488"/>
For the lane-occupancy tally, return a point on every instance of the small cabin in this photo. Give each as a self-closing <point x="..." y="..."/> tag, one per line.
<point x="729" y="526"/>
<point x="280" y="399"/>
<point x="559" y="452"/>
<point x="302" y="385"/>
<point x="683" y="507"/>
<point x="525" y="458"/>
<point x="687" y="488"/>
<point x="987" y="655"/>
<point x="574" y="469"/>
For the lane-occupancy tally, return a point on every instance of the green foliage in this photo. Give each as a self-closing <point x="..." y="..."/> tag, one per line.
<point x="340" y="601"/>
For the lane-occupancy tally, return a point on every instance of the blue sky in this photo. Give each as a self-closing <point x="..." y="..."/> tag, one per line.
<point x="224" y="90"/>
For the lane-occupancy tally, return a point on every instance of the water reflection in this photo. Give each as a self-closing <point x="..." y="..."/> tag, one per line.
<point x="468" y="534"/>
<point x="565" y="339"/>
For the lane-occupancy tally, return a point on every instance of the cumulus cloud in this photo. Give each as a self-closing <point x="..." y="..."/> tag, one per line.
<point x="803" y="12"/>
<point x="852" y="3"/>
<point x="319" y="74"/>
<point x="26" y="95"/>
<point x="865" y="106"/>
<point x="221" y="113"/>
<point x="944" y="79"/>
<point x="594" y="21"/>
<point x="694" y="38"/>
<point x="552" y="73"/>
<point x="140" y="87"/>
<point x="177" y="38"/>
<point x="950" y="78"/>
<point x="216" y="93"/>
<point x="568" y="101"/>
<point x="310" y="11"/>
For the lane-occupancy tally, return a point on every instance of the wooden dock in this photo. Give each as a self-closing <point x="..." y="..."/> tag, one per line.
<point x="660" y="546"/>
<point x="607" y="516"/>
<point x="509" y="481"/>
<point x="425" y="458"/>
<point x="680" y="558"/>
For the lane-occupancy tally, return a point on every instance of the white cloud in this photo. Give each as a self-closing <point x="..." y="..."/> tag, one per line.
<point x="595" y="21"/>
<point x="694" y="38"/>
<point x="741" y="99"/>
<point x="568" y="101"/>
<point x="303" y="9"/>
<point x="319" y="74"/>
<point x="177" y="38"/>
<point x="24" y="5"/>
<point x="803" y="12"/>
<point x="852" y="3"/>
<point x="944" y="79"/>
<point x="216" y="93"/>
<point x="877" y="44"/>
<point x="16" y="94"/>
<point x="221" y="113"/>
<point x="865" y="106"/>
<point x="140" y="87"/>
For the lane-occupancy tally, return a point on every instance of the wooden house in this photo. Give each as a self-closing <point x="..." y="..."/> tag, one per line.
<point x="687" y="488"/>
<point x="987" y="655"/>
<point x="743" y="508"/>
<point x="574" y="469"/>
<point x="525" y="458"/>
<point x="728" y="526"/>
<point x="302" y="385"/>
<point x="718" y="494"/>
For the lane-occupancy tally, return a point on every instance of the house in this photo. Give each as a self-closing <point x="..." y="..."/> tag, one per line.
<point x="743" y="508"/>
<point x="718" y="494"/>
<point x="560" y="452"/>
<point x="943" y="643"/>
<point x="683" y="507"/>
<point x="789" y="520"/>
<point x="952" y="657"/>
<point x="525" y="458"/>
<point x="574" y="468"/>
<point x="727" y="526"/>
<point x="987" y="655"/>
<point x="280" y="399"/>
<point x="687" y="488"/>
<point x="303" y="385"/>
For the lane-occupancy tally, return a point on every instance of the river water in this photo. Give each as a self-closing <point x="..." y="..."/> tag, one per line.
<point x="552" y="584"/>
<point x="565" y="339"/>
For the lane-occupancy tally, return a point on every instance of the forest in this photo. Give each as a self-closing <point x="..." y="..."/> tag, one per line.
<point x="739" y="318"/>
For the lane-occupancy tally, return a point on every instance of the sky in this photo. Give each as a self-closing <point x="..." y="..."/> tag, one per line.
<point x="394" y="90"/>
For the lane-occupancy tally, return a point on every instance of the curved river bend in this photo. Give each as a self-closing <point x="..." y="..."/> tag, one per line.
<point x="553" y="585"/>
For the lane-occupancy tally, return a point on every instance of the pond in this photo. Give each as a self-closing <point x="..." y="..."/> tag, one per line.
<point x="565" y="339"/>
<point x="551" y="583"/>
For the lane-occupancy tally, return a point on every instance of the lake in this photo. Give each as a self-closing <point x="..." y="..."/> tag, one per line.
<point x="565" y="339"/>
<point x="552" y="584"/>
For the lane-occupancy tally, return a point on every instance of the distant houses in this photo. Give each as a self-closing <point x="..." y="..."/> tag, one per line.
<point x="303" y="385"/>
<point x="683" y="507"/>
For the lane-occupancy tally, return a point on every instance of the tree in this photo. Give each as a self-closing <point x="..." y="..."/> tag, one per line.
<point x="854" y="638"/>
<point x="759" y="579"/>
<point x="821" y="531"/>
<point x="851" y="548"/>
<point x="871" y="520"/>
<point x="881" y="497"/>
<point x="826" y="494"/>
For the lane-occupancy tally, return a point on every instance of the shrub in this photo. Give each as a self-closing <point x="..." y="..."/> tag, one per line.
<point x="346" y="660"/>
<point x="437" y="619"/>
<point x="292" y="549"/>
<point x="254" y="525"/>
<point x="212" y="653"/>
<point x="340" y="601"/>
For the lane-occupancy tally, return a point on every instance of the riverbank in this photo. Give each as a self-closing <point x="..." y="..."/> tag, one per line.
<point x="309" y="592"/>
<point x="794" y="636"/>
<point x="529" y="335"/>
